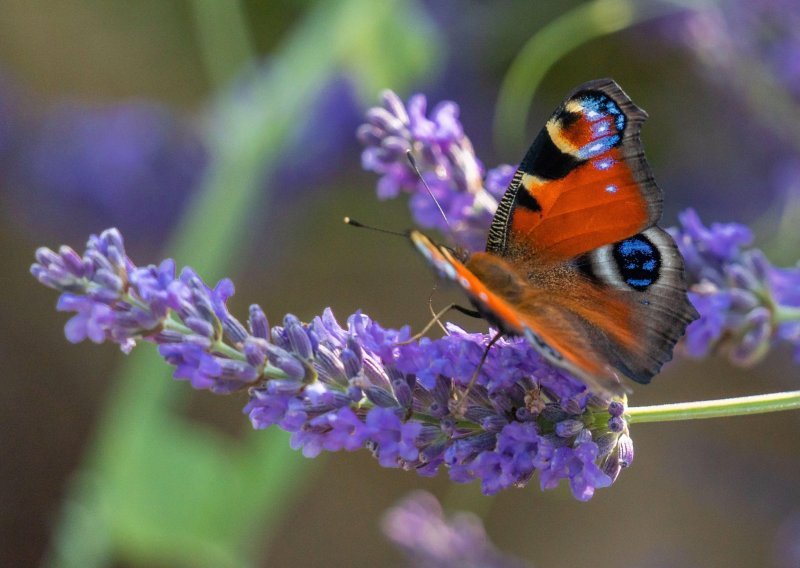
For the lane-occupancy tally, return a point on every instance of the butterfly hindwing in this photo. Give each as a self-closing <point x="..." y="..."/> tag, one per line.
<point x="616" y="313"/>
<point x="647" y="270"/>
<point x="584" y="182"/>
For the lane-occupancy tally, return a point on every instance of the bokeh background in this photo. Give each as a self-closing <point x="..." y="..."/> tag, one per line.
<point x="221" y="133"/>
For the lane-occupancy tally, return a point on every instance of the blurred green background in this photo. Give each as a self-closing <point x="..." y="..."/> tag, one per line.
<point x="221" y="133"/>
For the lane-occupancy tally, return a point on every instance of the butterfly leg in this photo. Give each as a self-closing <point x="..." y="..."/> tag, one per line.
<point x="459" y="404"/>
<point x="468" y="312"/>
<point x="433" y="312"/>
<point x="436" y="317"/>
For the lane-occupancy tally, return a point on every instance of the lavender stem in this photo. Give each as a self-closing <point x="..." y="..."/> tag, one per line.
<point x="739" y="406"/>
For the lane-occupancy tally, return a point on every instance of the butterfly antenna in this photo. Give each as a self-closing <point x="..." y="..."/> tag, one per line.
<point x="413" y="163"/>
<point x="460" y="404"/>
<point x="354" y="223"/>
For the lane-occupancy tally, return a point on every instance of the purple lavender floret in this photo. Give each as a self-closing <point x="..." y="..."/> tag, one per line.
<point x="344" y="388"/>
<point x="446" y="160"/>
<point x="745" y="304"/>
<point x="418" y="527"/>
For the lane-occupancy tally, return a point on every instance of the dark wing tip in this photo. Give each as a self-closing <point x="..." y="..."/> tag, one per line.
<point x="611" y="88"/>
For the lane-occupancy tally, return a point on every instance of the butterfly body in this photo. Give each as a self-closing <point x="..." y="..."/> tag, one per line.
<point x="574" y="260"/>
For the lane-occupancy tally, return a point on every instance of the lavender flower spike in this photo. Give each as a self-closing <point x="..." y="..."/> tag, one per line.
<point x="446" y="160"/>
<point x="370" y="388"/>
<point x="345" y="388"/>
<point x="418" y="527"/>
<point x="745" y="303"/>
<point x="116" y="301"/>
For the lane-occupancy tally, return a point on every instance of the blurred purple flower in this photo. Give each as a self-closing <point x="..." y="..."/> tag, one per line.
<point x="745" y="303"/>
<point x="136" y="164"/>
<point x="446" y="161"/>
<point x="343" y="388"/>
<point x="322" y="143"/>
<point x="132" y="164"/>
<point x="766" y="32"/>
<point x="91" y="320"/>
<point x="418" y="527"/>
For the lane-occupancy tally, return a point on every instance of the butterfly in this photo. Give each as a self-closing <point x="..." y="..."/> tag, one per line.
<point x="574" y="260"/>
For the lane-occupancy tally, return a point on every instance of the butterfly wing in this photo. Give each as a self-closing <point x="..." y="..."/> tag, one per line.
<point x="645" y="272"/>
<point x="584" y="182"/>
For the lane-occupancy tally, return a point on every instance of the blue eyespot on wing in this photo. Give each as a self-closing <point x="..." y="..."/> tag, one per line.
<point x="646" y="270"/>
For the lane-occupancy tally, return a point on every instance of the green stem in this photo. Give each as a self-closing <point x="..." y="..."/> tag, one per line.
<point x="176" y="325"/>
<point x="225" y="349"/>
<point x="785" y="314"/>
<point x="223" y="38"/>
<point x="740" y="406"/>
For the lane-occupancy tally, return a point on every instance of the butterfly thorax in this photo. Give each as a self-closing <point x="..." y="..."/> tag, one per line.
<point x="519" y="280"/>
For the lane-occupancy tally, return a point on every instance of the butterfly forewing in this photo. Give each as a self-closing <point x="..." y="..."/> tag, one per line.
<point x="583" y="183"/>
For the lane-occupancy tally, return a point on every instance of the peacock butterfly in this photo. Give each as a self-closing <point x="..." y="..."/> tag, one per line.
<point x="574" y="260"/>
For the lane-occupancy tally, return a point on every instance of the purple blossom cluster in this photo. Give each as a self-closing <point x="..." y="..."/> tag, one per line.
<point x="363" y="385"/>
<point x="745" y="303"/>
<point x="446" y="160"/>
<point x="114" y="300"/>
<point x="418" y="527"/>
<point x="344" y="388"/>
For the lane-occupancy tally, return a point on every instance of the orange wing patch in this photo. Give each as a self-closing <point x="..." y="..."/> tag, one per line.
<point x="570" y="321"/>
<point x="597" y="203"/>
<point x="449" y="267"/>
